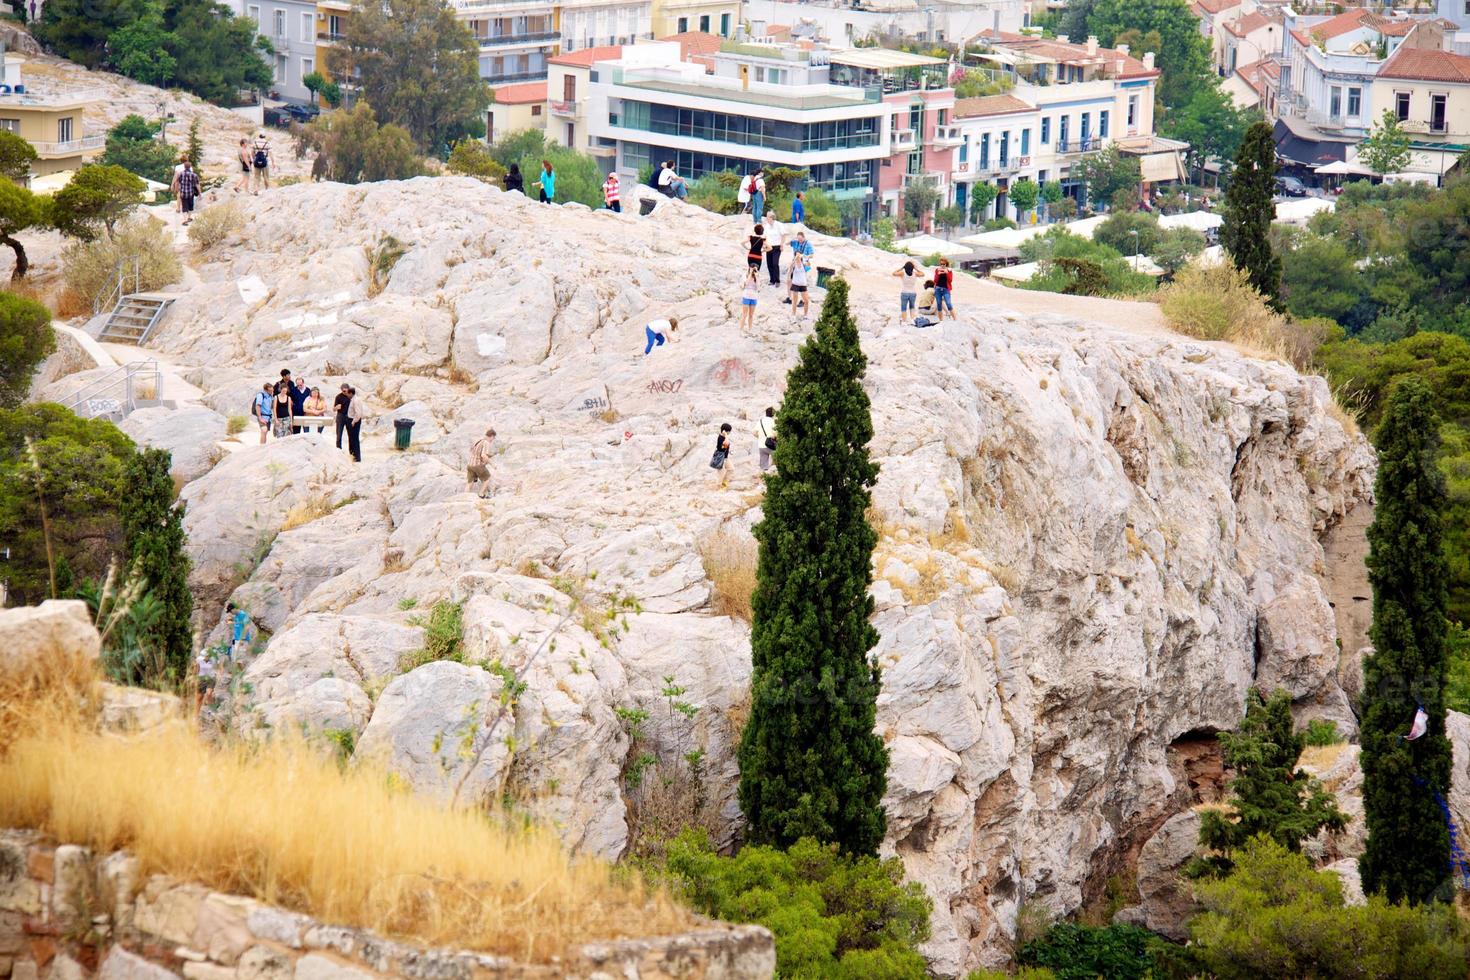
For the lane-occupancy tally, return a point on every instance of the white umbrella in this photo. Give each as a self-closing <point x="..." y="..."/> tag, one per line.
<point x="1198" y="220"/>
<point x="1341" y="168"/>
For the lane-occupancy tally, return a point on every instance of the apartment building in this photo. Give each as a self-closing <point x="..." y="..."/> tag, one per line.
<point x="331" y="29"/>
<point x="1429" y="92"/>
<point x="516" y="37"/>
<point x="864" y="123"/>
<point x="568" y="84"/>
<point x="1066" y="100"/>
<point x="291" y="28"/>
<point x="1254" y="86"/>
<point x="593" y="23"/>
<point x="51" y="121"/>
<point x="844" y="23"/>
<point x="721" y="17"/>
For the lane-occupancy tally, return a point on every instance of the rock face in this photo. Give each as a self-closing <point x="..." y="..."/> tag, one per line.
<point x="57" y="629"/>
<point x="1093" y="540"/>
<point x="190" y="433"/>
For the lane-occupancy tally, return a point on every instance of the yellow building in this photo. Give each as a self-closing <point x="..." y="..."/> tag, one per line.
<point x="720" y="17"/>
<point x="50" y="121"/>
<point x="516" y="107"/>
<point x="331" y="27"/>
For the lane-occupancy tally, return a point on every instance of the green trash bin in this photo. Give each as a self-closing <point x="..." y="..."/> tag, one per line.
<point x="402" y="433"/>
<point x="824" y="276"/>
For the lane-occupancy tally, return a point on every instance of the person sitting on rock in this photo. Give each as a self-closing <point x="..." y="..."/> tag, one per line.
<point x="926" y="298"/>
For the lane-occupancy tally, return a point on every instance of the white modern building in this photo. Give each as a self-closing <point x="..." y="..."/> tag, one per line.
<point x="593" y="23"/>
<point x="516" y="37"/>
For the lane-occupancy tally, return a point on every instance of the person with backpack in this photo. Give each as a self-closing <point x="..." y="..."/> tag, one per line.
<point x="610" y="193"/>
<point x="260" y="161"/>
<point x="547" y="183"/>
<point x="262" y="409"/>
<point x="944" y="289"/>
<point x="767" y="437"/>
<point x="758" y="195"/>
<point x="513" y="179"/>
<point x="187" y="183"/>
<point x="720" y="461"/>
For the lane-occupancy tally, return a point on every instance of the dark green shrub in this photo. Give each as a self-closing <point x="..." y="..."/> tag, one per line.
<point x="832" y="916"/>
<point x="1321" y="731"/>
<point x="1074" y="952"/>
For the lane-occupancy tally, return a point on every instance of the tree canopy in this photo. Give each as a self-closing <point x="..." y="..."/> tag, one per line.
<point x="357" y="149"/>
<point x="133" y="146"/>
<point x="1182" y="53"/>
<point x="26" y="339"/>
<point x="1249" y="210"/>
<point x="418" y="65"/>
<point x="96" y="198"/>
<point x="1386" y="150"/>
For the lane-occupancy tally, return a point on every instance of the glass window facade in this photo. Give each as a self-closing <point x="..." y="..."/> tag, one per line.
<point x="770" y="134"/>
<point x="854" y="175"/>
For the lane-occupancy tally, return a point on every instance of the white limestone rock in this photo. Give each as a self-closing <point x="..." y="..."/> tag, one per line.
<point x="191" y="433"/>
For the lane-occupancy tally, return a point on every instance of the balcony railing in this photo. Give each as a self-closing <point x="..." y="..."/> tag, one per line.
<point x="523" y="76"/>
<point x="526" y="37"/>
<point x="1079" y="146"/>
<point x="68" y="147"/>
<point x="713" y="134"/>
<point x="947" y="136"/>
<point x="330" y="36"/>
<point x="904" y="139"/>
<point x="565" y="108"/>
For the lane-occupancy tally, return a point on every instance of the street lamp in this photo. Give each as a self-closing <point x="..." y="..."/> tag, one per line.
<point x="1134" y="233"/>
<point x="163" y="120"/>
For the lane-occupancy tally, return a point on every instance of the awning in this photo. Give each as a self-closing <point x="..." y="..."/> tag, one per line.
<point x="1299" y="210"/>
<point x="929" y="245"/>
<point x="1159" y="167"/>
<point x="1341" y="168"/>
<point x="1198" y="220"/>
<point x="1300" y="144"/>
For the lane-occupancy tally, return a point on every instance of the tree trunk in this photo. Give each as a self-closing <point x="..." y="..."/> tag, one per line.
<point x="22" y="264"/>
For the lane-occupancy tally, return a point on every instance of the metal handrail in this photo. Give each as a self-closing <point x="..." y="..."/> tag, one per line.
<point x="123" y="380"/>
<point x="119" y="285"/>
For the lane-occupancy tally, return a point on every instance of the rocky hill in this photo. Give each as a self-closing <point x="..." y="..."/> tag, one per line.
<point x="1095" y="537"/>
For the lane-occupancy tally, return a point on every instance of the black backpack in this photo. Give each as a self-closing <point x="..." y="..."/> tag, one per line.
<point x="260" y="158"/>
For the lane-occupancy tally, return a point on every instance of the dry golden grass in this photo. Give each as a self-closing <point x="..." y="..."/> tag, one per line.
<point x="1218" y="303"/>
<point x="305" y="511"/>
<point x="32" y="687"/>
<point x="1320" y="758"/>
<point x="729" y="559"/>
<point x="279" y="822"/>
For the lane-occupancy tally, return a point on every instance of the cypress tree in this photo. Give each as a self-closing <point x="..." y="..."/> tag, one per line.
<point x="153" y="532"/>
<point x="1249" y="211"/>
<point x="810" y="762"/>
<point x="1408" y="852"/>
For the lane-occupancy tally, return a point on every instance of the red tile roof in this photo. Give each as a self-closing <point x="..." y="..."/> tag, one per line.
<point x="699" y="47"/>
<point x="1343" y="23"/>
<point x="1302" y="39"/>
<point x="525" y="93"/>
<point x="586" y="57"/>
<point x="1217" y="6"/>
<point x="1250" y="23"/>
<point x="1256" y="73"/>
<point x="1427" y="66"/>
<point x="989" y="105"/>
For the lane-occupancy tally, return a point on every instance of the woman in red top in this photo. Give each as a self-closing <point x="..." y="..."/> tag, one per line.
<point x="943" y="285"/>
<point x="610" y="193"/>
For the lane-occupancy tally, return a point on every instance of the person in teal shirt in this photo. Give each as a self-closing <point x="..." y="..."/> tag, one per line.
<point x="547" y="183"/>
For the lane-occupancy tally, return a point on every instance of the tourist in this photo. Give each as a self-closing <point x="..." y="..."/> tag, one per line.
<point x="670" y="184"/>
<point x="910" y="276"/>
<point x="659" y="331"/>
<point x="261" y="409"/>
<point x="260" y="162"/>
<point x="767" y="437"/>
<point x="315" y="405"/>
<point x="243" y="184"/>
<point x="797" y="289"/>
<point x="926" y="298"/>
<point x="298" y="398"/>
<point x="800" y="248"/>
<point x="749" y="290"/>
<point x="720" y="461"/>
<point x="755" y="252"/>
<point x="187" y="183"/>
<point x="478" y="469"/>
<point x="944" y="289"/>
<point x="239" y="630"/>
<point x="284" y="414"/>
<point x="547" y="183"/>
<point x="758" y="196"/>
<point x="610" y="193"/>
<point x="339" y="410"/>
<point x="513" y="179"/>
<point x="773" y="249"/>
<point x="798" y="208"/>
<point x="173" y="183"/>
<point x="204" y="680"/>
<point x="354" y="425"/>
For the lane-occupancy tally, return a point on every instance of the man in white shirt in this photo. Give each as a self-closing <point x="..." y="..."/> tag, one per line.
<point x="670" y="184"/>
<point x="767" y="438"/>
<point x="773" y="248"/>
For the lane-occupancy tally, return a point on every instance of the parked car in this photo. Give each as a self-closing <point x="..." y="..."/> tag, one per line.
<point x="1290" y="187"/>
<point x="284" y="115"/>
